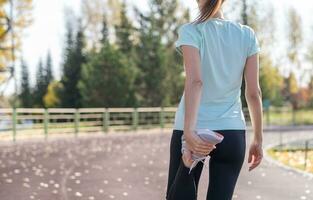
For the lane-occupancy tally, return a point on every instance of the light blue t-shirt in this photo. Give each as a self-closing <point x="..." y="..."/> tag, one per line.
<point x="224" y="46"/>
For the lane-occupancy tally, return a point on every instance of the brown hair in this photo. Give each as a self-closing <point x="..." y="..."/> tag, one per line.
<point x="207" y="10"/>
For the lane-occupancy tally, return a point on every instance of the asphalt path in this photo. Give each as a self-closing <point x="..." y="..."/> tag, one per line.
<point x="129" y="166"/>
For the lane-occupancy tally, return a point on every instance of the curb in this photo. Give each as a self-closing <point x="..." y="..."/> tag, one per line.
<point x="284" y="166"/>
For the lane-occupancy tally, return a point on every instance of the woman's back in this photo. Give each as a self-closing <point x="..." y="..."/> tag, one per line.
<point x="224" y="46"/>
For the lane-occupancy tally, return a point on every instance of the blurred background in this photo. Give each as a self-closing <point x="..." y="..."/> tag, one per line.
<point x="93" y="67"/>
<point x="104" y="53"/>
<point x="120" y="54"/>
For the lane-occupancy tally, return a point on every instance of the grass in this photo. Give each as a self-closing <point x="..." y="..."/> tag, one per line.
<point x="302" y="117"/>
<point x="294" y="158"/>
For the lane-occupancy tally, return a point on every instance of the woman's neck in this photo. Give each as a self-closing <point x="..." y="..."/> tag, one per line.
<point x="218" y="14"/>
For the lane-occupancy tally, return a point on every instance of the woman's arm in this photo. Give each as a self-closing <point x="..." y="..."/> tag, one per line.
<point x="253" y="96"/>
<point x="193" y="91"/>
<point x="193" y="86"/>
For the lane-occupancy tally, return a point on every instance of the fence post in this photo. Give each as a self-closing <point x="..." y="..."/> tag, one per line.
<point x="162" y="118"/>
<point x="135" y="119"/>
<point x="14" y="122"/>
<point x="306" y="153"/>
<point x="268" y="116"/>
<point x="46" y="122"/>
<point x="105" y="120"/>
<point x="293" y="116"/>
<point x="280" y="110"/>
<point x="76" y="121"/>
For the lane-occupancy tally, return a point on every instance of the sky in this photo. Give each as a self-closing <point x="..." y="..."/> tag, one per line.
<point x="47" y="31"/>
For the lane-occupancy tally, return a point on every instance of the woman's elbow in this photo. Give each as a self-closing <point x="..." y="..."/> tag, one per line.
<point x="197" y="83"/>
<point x="255" y="94"/>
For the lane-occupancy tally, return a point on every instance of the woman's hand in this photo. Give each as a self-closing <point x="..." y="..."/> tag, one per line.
<point x="255" y="154"/>
<point x="187" y="159"/>
<point x="196" y="145"/>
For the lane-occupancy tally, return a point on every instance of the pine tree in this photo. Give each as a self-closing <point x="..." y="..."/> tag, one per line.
<point x="25" y="93"/>
<point x="125" y="42"/>
<point x="160" y="75"/>
<point x="74" y="59"/>
<point x="40" y="87"/>
<point x="123" y="32"/>
<point x="48" y="69"/>
<point x="108" y="77"/>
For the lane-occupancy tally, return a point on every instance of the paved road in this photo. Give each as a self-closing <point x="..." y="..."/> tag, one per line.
<point x="126" y="166"/>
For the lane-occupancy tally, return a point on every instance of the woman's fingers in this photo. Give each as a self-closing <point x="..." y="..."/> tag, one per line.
<point x="187" y="159"/>
<point x="198" y="145"/>
<point x="205" y="146"/>
<point x="204" y="151"/>
<point x="255" y="164"/>
<point x="203" y="143"/>
<point x="202" y="148"/>
<point x="256" y="159"/>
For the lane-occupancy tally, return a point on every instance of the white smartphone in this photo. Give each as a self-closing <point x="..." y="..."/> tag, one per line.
<point x="207" y="135"/>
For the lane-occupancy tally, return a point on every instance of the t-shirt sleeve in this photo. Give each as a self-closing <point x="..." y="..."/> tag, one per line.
<point x="187" y="35"/>
<point x="254" y="46"/>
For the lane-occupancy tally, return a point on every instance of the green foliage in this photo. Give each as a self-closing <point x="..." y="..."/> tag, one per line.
<point x="291" y="89"/>
<point x="48" y="69"/>
<point x="40" y="87"/>
<point x="142" y="68"/>
<point x="108" y="79"/>
<point x="159" y="82"/>
<point x="74" y="59"/>
<point x="25" y="93"/>
<point x="311" y="92"/>
<point x="271" y="82"/>
<point x="123" y="32"/>
<point x="44" y="77"/>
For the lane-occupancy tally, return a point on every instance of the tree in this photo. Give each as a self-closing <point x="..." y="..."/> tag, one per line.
<point x="271" y="82"/>
<point x="310" y="87"/>
<point x="108" y="77"/>
<point x="51" y="99"/>
<point x="93" y="13"/>
<point x="262" y="21"/>
<point x="22" y="18"/>
<point x="40" y="87"/>
<point x="123" y="32"/>
<point x="156" y="56"/>
<point x="291" y="90"/>
<point x="294" y="36"/>
<point x="73" y="62"/>
<point x="309" y="57"/>
<point x="25" y="93"/>
<point x="48" y="69"/>
<point x="295" y="40"/>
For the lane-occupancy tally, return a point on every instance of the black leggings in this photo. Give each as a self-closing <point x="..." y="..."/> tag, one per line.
<point x="224" y="167"/>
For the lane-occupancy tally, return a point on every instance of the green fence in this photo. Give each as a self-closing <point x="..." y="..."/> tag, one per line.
<point x="28" y="122"/>
<point x="34" y="121"/>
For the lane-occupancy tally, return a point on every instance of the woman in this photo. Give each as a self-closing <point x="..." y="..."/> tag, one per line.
<point x="217" y="53"/>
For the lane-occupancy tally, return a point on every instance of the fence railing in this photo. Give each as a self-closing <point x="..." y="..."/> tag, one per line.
<point x="68" y="120"/>
<point x="39" y="121"/>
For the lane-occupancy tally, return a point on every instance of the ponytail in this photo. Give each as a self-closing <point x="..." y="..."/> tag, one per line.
<point x="209" y="8"/>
